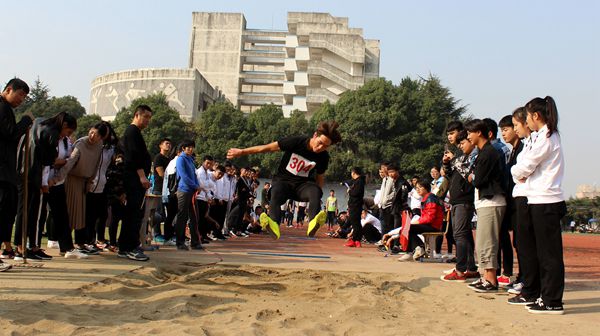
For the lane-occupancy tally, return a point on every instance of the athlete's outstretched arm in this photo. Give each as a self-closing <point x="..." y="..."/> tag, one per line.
<point x="237" y="152"/>
<point x="320" y="180"/>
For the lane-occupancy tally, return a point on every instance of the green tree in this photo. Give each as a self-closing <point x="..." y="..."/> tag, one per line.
<point x="218" y="129"/>
<point x="165" y="123"/>
<point x="381" y="121"/>
<point x="84" y="124"/>
<point x="41" y="104"/>
<point x="263" y="126"/>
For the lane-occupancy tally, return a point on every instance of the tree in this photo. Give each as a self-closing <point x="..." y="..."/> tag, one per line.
<point x="165" y="123"/>
<point x="218" y="129"/>
<point x="383" y="122"/>
<point x="41" y="104"/>
<point x="84" y="124"/>
<point x="265" y="125"/>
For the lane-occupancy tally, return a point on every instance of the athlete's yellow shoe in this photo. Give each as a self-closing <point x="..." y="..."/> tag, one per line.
<point x="269" y="225"/>
<point x="316" y="223"/>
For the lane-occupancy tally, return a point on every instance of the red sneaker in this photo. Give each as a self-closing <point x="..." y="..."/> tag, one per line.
<point x="472" y="275"/>
<point x="357" y="244"/>
<point x="503" y="281"/>
<point x="350" y="243"/>
<point x="454" y="277"/>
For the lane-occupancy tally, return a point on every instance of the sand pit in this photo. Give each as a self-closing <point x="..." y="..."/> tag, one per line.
<point x="226" y="291"/>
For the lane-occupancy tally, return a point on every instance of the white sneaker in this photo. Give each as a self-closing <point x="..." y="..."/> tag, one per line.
<point x="75" y="254"/>
<point x="437" y="255"/>
<point x="379" y="243"/>
<point x="406" y="257"/>
<point x="52" y="244"/>
<point x="231" y="233"/>
<point x="516" y="288"/>
<point x="419" y="252"/>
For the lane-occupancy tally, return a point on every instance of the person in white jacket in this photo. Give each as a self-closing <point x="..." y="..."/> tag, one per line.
<point x="541" y="170"/>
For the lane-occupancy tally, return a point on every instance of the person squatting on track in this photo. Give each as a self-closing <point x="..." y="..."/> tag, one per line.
<point x="300" y="175"/>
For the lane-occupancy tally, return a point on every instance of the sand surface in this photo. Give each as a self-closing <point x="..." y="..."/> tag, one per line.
<point x="226" y="291"/>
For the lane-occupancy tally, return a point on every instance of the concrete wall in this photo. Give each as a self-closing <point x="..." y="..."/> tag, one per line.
<point x="186" y="90"/>
<point x="215" y="50"/>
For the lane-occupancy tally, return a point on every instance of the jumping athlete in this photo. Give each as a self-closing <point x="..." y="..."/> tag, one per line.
<point x="300" y="175"/>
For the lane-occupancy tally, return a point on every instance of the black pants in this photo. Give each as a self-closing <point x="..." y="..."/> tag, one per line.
<point x="541" y="251"/>
<point x="415" y="230"/>
<point x="513" y="224"/>
<point x="354" y="219"/>
<point x="44" y="221"/>
<point x="463" y="235"/>
<point x="129" y="239"/>
<point x="217" y="212"/>
<point x="330" y="218"/>
<point x="242" y="208"/>
<point x="202" y="212"/>
<point x="371" y="233"/>
<point x="33" y="211"/>
<point x="96" y="213"/>
<point x="57" y="200"/>
<point x="505" y="248"/>
<point x="117" y="214"/>
<point x="8" y="210"/>
<point x="303" y="191"/>
<point x="170" y="218"/>
<point x="185" y="212"/>
<point x="388" y="220"/>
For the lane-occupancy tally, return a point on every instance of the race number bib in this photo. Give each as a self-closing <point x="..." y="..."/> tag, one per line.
<point x="300" y="166"/>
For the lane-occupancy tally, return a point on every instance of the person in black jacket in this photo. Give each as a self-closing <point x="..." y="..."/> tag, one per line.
<point x="401" y="190"/>
<point x="356" y="194"/>
<point x="136" y="168"/>
<point x="461" y="199"/>
<point x="11" y="97"/>
<point x="43" y="143"/>
<point x="490" y="203"/>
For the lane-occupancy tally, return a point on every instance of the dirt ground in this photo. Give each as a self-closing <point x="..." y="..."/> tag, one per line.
<point x="297" y="285"/>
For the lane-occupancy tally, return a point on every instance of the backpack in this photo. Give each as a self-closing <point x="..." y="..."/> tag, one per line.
<point x="173" y="183"/>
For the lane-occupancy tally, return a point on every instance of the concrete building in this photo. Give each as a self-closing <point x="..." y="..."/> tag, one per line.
<point x="587" y="191"/>
<point x="317" y="59"/>
<point x="186" y="90"/>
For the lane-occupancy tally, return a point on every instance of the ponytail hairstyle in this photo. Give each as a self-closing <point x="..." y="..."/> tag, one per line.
<point x="56" y="122"/>
<point x="521" y="115"/>
<point x="330" y="130"/>
<point x="113" y="139"/>
<point x="546" y="108"/>
<point x="102" y="129"/>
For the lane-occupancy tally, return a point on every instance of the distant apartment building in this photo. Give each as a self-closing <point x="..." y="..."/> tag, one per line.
<point x="317" y="59"/>
<point x="587" y="191"/>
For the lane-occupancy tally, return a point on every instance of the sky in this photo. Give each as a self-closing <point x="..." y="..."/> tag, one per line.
<point x="494" y="56"/>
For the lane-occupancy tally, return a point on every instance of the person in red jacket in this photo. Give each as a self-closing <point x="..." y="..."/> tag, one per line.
<point x="432" y="215"/>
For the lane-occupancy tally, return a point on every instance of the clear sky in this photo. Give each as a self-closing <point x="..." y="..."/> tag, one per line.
<point x="493" y="56"/>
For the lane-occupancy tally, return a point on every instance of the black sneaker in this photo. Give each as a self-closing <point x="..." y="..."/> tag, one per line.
<point x="520" y="300"/>
<point x="122" y="254"/>
<point x="485" y="287"/>
<point x="34" y="256"/>
<point x="183" y="247"/>
<point x="40" y="253"/>
<point x="475" y="283"/>
<point x="91" y="249"/>
<point x="197" y="247"/>
<point x="137" y="255"/>
<point x="540" y="308"/>
<point x="7" y="254"/>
